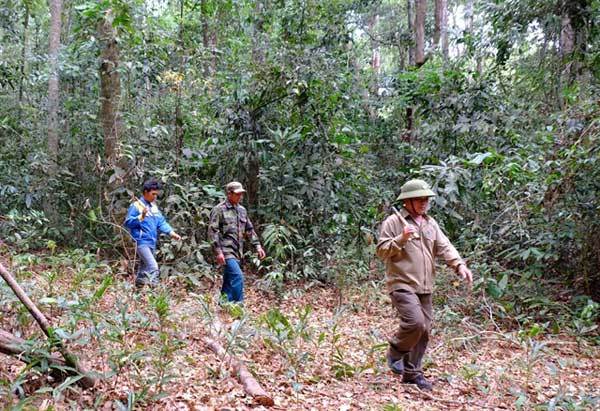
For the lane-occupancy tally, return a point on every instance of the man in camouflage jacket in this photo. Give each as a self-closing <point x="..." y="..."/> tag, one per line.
<point x="229" y="224"/>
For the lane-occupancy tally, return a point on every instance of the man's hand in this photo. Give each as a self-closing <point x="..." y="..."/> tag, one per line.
<point x="175" y="236"/>
<point x="261" y="253"/>
<point x="408" y="232"/>
<point x="220" y="259"/>
<point x="465" y="273"/>
<point x="144" y="212"/>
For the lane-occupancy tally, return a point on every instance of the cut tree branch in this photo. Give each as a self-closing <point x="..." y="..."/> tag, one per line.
<point x="251" y="386"/>
<point x="86" y="381"/>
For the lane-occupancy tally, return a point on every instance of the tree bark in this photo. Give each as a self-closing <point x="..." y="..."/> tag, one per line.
<point x="39" y="317"/>
<point x="23" y="67"/>
<point x="251" y="386"/>
<point x="420" y="13"/>
<point x="440" y="33"/>
<point x="179" y="85"/>
<point x="567" y="37"/>
<point x="110" y="89"/>
<point x="437" y="12"/>
<point x="409" y="133"/>
<point x="375" y="53"/>
<point x="468" y="21"/>
<point x="53" y="81"/>
<point x="411" y="30"/>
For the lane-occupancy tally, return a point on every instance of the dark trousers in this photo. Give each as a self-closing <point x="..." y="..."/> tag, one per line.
<point x="410" y="341"/>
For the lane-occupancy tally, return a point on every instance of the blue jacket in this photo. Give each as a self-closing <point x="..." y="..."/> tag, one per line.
<point x="146" y="232"/>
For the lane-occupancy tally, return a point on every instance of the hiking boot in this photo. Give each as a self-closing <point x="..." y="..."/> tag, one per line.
<point x="397" y="366"/>
<point x="419" y="381"/>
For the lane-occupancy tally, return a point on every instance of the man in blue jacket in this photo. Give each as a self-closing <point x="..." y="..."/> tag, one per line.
<point x="145" y="221"/>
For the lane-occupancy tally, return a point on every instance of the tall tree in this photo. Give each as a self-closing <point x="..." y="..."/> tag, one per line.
<point x="23" y="53"/>
<point x="468" y="23"/>
<point x="411" y="29"/>
<point x="53" y="80"/>
<point x="420" y="14"/>
<point x="179" y="85"/>
<point x="110" y="88"/>
<point x="375" y="49"/>
<point x="440" y="33"/>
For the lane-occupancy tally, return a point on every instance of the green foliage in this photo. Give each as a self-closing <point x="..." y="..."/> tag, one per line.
<point x="282" y="96"/>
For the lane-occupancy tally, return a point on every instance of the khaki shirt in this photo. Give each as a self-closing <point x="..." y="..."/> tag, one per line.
<point x="410" y="265"/>
<point x="228" y="226"/>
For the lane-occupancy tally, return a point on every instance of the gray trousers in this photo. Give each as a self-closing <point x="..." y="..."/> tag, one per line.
<point x="410" y="340"/>
<point x="147" y="272"/>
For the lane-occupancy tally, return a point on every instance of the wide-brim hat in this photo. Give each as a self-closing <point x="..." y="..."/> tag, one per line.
<point x="415" y="189"/>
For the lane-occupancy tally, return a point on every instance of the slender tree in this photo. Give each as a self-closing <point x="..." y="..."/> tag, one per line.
<point x="23" y="67"/>
<point x="420" y="14"/>
<point x="440" y="33"/>
<point x="411" y="29"/>
<point x="179" y="86"/>
<point x="110" y="88"/>
<point x="53" y="80"/>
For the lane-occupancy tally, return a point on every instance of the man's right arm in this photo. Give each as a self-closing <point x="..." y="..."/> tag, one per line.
<point x="214" y="234"/>
<point x="391" y="241"/>
<point x="132" y="220"/>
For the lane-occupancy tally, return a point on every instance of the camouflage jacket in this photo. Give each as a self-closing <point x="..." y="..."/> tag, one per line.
<point x="227" y="228"/>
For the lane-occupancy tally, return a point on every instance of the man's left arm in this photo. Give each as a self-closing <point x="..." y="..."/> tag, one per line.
<point x="448" y="252"/>
<point x="165" y="228"/>
<point x="251" y="233"/>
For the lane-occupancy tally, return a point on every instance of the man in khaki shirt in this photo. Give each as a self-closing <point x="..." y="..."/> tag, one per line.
<point x="409" y="242"/>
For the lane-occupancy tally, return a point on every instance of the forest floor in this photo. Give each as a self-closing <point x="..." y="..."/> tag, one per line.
<point x="311" y="347"/>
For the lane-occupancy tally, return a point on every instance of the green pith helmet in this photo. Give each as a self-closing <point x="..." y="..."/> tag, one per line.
<point x="415" y="189"/>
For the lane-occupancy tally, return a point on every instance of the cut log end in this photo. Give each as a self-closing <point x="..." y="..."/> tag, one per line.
<point x="251" y="386"/>
<point x="264" y="400"/>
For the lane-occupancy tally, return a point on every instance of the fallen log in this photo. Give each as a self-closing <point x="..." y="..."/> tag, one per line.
<point x="17" y="347"/>
<point x="251" y="386"/>
<point x="70" y="360"/>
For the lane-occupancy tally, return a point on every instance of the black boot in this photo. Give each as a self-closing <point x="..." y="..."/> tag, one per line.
<point x="397" y="366"/>
<point x="419" y="381"/>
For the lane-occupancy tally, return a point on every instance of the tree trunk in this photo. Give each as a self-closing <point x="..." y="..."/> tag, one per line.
<point x="411" y="30"/>
<point x="39" y="317"/>
<point x="252" y="163"/>
<point x="53" y="81"/>
<point x="468" y="21"/>
<point x="179" y="85"/>
<point x="251" y="386"/>
<point x="23" y="67"/>
<point x="18" y="348"/>
<point x="437" y="12"/>
<point x="110" y="89"/>
<point x="442" y="6"/>
<point x="567" y="37"/>
<point x="375" y="67"/>
<point x="420" y="14"/>
<point x="409" y="132"/>
<point x="375" y="53"/>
